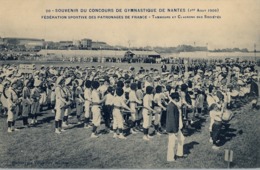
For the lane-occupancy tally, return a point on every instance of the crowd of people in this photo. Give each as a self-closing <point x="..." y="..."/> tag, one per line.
<point x="141" y="99"/>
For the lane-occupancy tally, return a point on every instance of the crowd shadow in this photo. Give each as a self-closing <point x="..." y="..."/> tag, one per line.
<point x="195" y="127"/>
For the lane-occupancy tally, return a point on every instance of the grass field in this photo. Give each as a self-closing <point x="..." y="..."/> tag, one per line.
<point x="40" y="147"/>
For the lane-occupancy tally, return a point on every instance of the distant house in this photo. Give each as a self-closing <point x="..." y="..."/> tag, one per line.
<point x="65" y="44"/>
<point x="86" y="43"/>
<point x="142" y="54"/>
<point x="28" y="43"/>
<point x="98" y="45"/>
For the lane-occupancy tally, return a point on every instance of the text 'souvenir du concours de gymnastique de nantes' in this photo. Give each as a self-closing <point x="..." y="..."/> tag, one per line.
<point x="131" y="13"/>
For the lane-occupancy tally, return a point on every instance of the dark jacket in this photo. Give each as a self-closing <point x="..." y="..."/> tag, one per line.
<point x="172" y="118"/>
<point x="254" y="89"/>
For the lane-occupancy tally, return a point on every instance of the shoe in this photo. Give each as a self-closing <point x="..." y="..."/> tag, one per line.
<point x="133" y="131"/>
<point x="87" y="127"/>
<point x="57" y="131"/>
<point x="181" y="157"/>
<point x="158" y="133"/>
<point x="79" y="122"/>
<point x="115" y="135"/>
<point x="70" y="117"/>
<point x="171" y="160"/>
<point x="93" y="135"/>
<point x="32" y="122"/>
<point x="15" y="129"/>
<point x="215" y="147"/>
<point x="146" y="138"/>
<point x="9" y="130"/>
<point x="63" y="130"/>
<point x="121" y="136"/>
<point x="210" y="140"/>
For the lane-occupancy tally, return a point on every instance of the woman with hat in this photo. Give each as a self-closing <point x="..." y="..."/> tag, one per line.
<point x="60" y="104"/>
<point x="35" y="96"/>
<point x="12" y="103"/>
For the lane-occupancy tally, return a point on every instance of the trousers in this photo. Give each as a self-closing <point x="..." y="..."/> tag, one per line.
<point x="173" y="139"/>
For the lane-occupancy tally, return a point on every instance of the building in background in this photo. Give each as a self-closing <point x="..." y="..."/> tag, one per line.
<point x="142" y="54"/>
<point x="86" y="44"/>
<point x="24" y="44"/>
<point x="63" y="45"/>
<point x="98" y="45"/>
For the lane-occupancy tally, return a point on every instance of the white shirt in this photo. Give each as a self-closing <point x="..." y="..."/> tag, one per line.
<point x="87" y="94"/>
<point x="118" y="102"/>
<point x="109" y="99"/>
<point x="133" y="97"/>
<point x="95" y="96"/>
<point x="102" y="89"/>
<point x="147" y="101"/>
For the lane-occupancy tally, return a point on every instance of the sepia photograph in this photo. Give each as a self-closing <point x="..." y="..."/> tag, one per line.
<point x="120" y="84"/>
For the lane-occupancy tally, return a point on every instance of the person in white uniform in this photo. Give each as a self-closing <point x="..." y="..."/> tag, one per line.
<point x="119" y="104"/>
<point x="147" y="112"/>
<point x="133" y="105"/>
<point x="87" y="97"/>
<point x="96" y="108"/>
<point x="158" y="107"/>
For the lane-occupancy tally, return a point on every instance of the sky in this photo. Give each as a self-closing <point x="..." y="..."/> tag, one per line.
<point x="239" y="25"/>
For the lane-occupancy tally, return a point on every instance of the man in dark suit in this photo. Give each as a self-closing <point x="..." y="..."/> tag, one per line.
<point x="164" y="67"/>
<point x="173" y="128"/>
